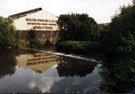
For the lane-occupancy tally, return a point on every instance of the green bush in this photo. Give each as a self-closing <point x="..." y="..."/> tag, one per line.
<point x="32" y="39"/>
<point x="34" y="43"/>
<point x="8" y="35"/>
<point x="23" y="43"/>
<point x="79" y="47"/>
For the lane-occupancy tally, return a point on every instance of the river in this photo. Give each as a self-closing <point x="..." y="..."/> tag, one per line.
<point x="24" y="71"/>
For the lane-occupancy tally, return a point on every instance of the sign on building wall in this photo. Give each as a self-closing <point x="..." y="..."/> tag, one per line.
<point x="41" y="20"/>
<point x="41" y="24"/>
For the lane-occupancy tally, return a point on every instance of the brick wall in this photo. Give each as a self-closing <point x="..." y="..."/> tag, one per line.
<point x="52" y="36"/>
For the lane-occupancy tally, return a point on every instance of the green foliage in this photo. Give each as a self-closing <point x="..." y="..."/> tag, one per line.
<point x="8" y="36"/>
<point x="79" y="47"/>
<point x="72" y="46"/>
<point x="121" y="33"/>
<point x="119" y="76"/>
<point x="78" y="27"/>
<point x="32" y="39"/>
<point x="23" y="43"/>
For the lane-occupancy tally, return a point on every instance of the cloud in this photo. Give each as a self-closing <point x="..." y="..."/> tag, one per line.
<point x="100" y="10"/>
<point x="43" y="83"/>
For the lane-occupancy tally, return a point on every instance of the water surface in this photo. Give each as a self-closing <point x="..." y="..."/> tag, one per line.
<point x="30" y="72"/>
<point x="23" y="71"/>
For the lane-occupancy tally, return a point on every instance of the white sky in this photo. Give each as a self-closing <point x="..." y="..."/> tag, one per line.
<point x="100" y="10"/>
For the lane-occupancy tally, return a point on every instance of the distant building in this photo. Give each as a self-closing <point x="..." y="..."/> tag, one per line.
<point x="104" y="24"/>
<point x="43" y="22"/>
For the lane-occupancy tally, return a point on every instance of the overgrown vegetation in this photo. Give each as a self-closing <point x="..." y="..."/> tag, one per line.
<point x="32" y="39"/>
<point x="121" y="34"/>
<point x="79" y="34"/>
<point x="80" y="47"/>
<point x="8" y="35"/>
<point x="116" y="40"/>
<point x="78" y="27"/>
<point x="73" y="46"/>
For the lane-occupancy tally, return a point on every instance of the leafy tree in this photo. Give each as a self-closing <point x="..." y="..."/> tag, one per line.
<point x="7" y="33"/>
<point x="32" y="39"/>
<point x="121" y="33"/>
<point x="78" y="27"/>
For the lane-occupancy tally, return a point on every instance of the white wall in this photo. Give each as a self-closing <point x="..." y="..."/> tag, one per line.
<point x="22" y="24"/>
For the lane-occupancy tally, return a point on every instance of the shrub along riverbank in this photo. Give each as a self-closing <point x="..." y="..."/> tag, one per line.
<point x="88" y="48"/>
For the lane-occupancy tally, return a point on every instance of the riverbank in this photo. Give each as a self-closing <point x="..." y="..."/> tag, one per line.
<point x="84" y="48"/>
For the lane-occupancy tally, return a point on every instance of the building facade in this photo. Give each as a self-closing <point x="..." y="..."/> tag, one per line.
<point x="43" y="22"/>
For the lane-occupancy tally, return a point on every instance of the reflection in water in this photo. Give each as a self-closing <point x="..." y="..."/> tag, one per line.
<point x="119" y="76"/>
<point x="38" y="61"/>
<point x="44" y="82"/>
<point x="7" y="63"/>
<point x="74" y="67"/>
<point x="51" y="82"/>
<point x="54" y="74"/>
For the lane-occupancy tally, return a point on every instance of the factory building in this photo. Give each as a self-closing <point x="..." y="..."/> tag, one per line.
<point x="43" y="22"/>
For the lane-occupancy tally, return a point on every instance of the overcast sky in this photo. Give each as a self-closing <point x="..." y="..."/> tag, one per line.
<point x="100" y="10"/>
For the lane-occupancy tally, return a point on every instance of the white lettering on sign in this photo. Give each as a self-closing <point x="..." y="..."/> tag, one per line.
<point x="41" y="24"/>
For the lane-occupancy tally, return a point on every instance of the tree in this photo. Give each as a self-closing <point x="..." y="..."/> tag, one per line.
<point x="78" y="27"/>
<point x="7" y="33"/>
<point x="122" y="33"/>
<point x="32" y="39"/>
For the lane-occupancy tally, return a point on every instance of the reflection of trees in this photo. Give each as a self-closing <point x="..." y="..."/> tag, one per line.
<point x="7" y="63"/>
<point x="118" y="76"/>
<point x="73" y="67"/>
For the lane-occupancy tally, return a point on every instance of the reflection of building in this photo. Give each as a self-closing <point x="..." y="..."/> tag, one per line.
<point x="43" y="22"/>
<point x="38" y="62"/>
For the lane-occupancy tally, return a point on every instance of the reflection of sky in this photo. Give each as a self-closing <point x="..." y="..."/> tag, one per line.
<point x="89" y="84"/>
<point x="44" y="81"/>
<point x="26" y="80"/>
<point x="52" y="83"/>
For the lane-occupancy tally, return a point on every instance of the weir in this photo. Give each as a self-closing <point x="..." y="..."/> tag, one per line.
<point x="73" y="56"/>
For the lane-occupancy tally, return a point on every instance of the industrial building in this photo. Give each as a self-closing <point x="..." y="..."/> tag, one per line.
<point x="43" y="22"/>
